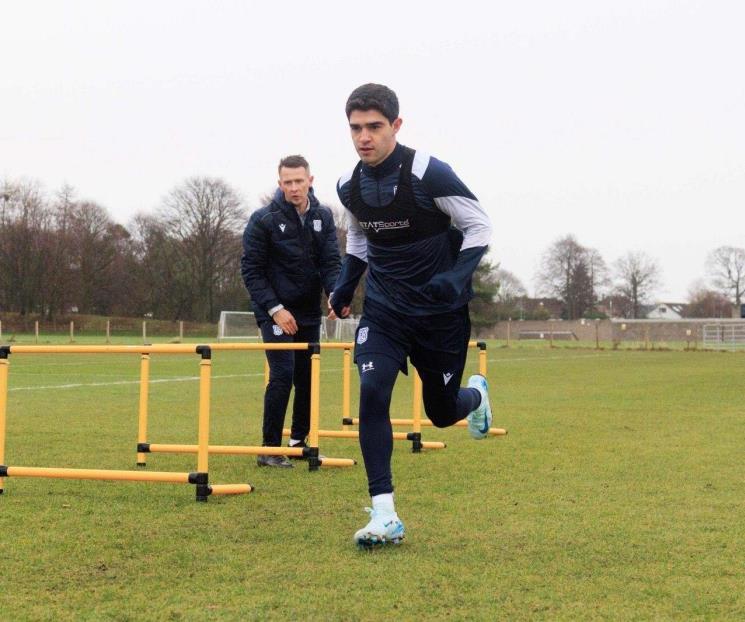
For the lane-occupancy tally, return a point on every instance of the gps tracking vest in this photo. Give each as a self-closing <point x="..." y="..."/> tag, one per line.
<point x="401" y="221"/>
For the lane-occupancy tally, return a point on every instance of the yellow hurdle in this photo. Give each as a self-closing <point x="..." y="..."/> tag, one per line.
<point x="199" y="478"/>
<point x="3" y="405"/>
<point x="310" y="453"/>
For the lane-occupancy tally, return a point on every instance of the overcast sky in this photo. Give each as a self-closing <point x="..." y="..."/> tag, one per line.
<point x="620" y="122"/>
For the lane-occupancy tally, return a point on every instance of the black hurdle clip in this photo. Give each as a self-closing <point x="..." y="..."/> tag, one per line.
<point x="416" y="442"/>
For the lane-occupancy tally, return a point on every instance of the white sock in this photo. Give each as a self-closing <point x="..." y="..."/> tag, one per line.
<point x="383" y="503"/>
<point x="293" y="442"/>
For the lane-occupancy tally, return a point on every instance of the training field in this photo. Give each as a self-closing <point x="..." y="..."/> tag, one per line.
<point x="619" y="494"/>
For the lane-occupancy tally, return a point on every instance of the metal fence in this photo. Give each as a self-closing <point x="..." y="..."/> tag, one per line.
<point x="724" y="336"/>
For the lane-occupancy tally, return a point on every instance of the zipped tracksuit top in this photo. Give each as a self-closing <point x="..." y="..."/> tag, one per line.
<point x="417" y="229"/>
<point x="286" y="261"/>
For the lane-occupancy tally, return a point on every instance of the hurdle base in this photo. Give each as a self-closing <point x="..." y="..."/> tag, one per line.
<point x="231" y="489"/>
<point x="203" y="491"/>
<point x="337" y="462"/>
<point x="416" y="442"/>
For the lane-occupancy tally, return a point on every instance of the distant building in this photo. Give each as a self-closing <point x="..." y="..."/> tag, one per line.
<point x="664" y="311"/>
<point x="614" y="306"/>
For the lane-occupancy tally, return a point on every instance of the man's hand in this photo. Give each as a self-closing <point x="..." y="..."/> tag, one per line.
<point x="332" y="315"/>
<point x="286" y="321"/>
<point x="442" y="288"/>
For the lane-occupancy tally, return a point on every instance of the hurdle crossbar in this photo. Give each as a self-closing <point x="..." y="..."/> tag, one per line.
<point x="397" y="436"/>
<point x="243" y="450"/>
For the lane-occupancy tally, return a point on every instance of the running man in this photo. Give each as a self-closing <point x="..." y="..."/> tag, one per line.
<point x="420" y="234"/>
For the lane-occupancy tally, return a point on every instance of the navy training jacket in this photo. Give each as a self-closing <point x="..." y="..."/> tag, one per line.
<point x="287" y="262"/>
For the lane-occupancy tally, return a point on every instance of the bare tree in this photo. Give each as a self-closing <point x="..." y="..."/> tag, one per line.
<point x="205" y="217"/>
<point x="703" y="302"/>
<point x="726" y="266"/>
<point x="163" y="285"/>
<point x="59" y="291"/>
<point x="97" y="246"/>
<point x="510" y="287"/>
<point x="24" y="231"/>
<point x="510" y="294"/>
<point x="598" y="271"/>
<point x="637" y="278"/>
<point x="570" y="272"/>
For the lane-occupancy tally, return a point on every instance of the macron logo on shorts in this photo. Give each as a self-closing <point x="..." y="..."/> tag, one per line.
<point x="446" y="377"/>
<point x="368" y="367"/>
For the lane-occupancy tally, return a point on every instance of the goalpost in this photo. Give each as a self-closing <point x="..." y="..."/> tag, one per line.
<point x="338" y="330"/>
<point x="237" y="326"/>
<point x="241" y="326"/>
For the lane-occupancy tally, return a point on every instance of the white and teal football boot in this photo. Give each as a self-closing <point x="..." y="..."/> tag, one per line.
<point x="383" y="528"/>
<point x="479" y="420"/>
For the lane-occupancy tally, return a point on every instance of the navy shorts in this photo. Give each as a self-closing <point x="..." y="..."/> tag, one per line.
<point x="437" y="345"/>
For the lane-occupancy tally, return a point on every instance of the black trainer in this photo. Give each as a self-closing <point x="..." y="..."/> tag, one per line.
<point x="274" y="461"/>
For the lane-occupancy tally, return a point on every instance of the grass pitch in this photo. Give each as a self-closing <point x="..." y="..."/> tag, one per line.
<point x="618" y="494"/>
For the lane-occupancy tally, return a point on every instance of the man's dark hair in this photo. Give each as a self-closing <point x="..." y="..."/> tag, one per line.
<point x="293" y="161"/>
<point x="374" y="97"/>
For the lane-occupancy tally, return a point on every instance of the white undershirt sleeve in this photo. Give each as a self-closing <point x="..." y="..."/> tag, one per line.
<point x="356" y="240"/>
<point x="468" y="216"/>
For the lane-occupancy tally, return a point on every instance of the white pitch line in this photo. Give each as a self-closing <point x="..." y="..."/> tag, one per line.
<point x="78" y="385"/>
<point x="551" y="358"/>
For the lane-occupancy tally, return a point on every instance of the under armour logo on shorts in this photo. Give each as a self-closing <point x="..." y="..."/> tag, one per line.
<point x="362" y="334"/>
<point x="277" y="330"/>
<point x="367" y="367"/>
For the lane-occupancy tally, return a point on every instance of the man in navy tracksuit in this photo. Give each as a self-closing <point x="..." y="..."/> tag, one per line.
<point x="420" y="233"/>
<point x="290" y="252"/>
